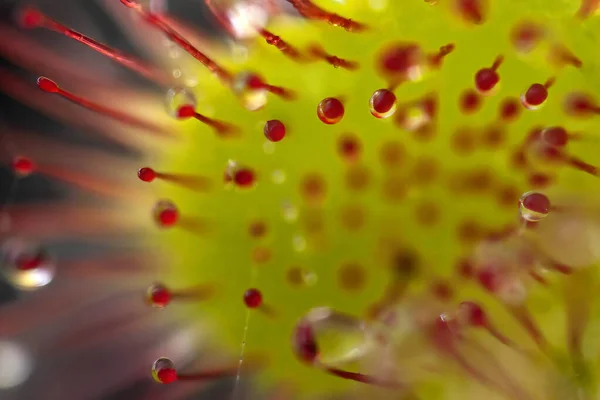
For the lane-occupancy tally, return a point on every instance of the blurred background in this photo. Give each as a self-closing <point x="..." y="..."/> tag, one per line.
<point x="34" y="362"/>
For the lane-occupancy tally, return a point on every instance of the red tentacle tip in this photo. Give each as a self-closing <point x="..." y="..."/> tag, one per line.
<point x="146" y="174"/>
<point x="253" y="298"/>
<point x="274" y="130"/>
<point x="167" y="375"/>
<point x="47" y="85"/>
<point x="244" y="178"/>
<point x="186" y="111"/>
<point x="30" y="17"/>
<point x="23" y="166"/>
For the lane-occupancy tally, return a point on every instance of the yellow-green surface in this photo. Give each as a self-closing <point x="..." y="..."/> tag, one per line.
<point x="223" y="255"/>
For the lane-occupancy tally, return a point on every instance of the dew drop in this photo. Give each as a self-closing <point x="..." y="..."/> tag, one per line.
<point x="330" y="110"/>
<point x="26" y="265"/>
<point x="163" y="371"/>
<point x="383" y="103"/>
<point x="158" y="295"/>
<point x="180" y="103"/>
<point x="165" y="213"/>
<point x="534" y="206"/>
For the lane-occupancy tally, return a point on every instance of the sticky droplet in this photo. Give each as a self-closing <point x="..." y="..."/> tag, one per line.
<point x="383" y="103"/>
<point x="251" y="90"/>
<point x="158" y="295"/>
<point x="165" y="213"/>
<point x="163" y="371"/>
<point x="534" y="206"/>
<point x="330" y="111"/>
<point x="26" y="265"/>
<point x="179" y="99"/>
<point x="274" y="130"/>
<point x="23" y="166"/>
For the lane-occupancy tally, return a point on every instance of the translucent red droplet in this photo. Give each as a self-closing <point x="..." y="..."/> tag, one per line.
<point x="244" y="177"/>
<point x="47" y="85"/>
<point x="23" y="166"/>
<point x="274" y="130"/>
<point x="486" y="79"/>
<point x="534" y="206"/>
<point x="167" y="375"/>
<point x="383" y="103"/>
<point x="146" y="174"/>
<point x="253" y="298"/>
<point x="166" y="213"/>
<point x="159" y="295"/>
<point x="330" y="110"/>
<point x="535" y="96"/>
